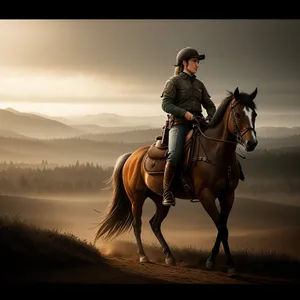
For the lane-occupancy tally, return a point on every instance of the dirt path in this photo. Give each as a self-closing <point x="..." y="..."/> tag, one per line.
<point x="183" y="275"/>
<point x="121" y="270"/>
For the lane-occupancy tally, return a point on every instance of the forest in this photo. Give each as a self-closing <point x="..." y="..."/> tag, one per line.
<point x="264" y="171"/>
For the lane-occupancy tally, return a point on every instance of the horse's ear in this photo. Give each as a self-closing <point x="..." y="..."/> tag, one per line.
<point x="236" y="93"/>
<point x="253" y="94"/>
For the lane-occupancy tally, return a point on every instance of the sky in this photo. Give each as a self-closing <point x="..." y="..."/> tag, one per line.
<point x="73" y="67"/>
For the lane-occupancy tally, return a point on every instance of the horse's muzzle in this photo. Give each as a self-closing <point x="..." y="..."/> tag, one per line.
<point x="250" y="145"/>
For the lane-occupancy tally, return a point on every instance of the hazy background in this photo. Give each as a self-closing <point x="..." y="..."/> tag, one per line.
<point x="76" y="94"/>
<point x="71" y="67"/>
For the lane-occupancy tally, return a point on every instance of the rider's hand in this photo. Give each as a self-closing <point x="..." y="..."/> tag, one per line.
<point x="189" y="116"/>
<point x="207" y="119"/>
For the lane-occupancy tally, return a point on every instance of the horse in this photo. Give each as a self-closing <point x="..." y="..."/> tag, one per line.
<point x="211" y="173"/>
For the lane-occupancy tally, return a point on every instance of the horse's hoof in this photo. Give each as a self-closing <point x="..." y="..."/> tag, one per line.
<point x="170" y="261"/>
<point x="231" y="272"/>
<point x="209" y="264"/>
<point x="144" y="259"/>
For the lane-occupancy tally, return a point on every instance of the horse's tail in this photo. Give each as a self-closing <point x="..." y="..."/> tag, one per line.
<point x="119" y="217"/>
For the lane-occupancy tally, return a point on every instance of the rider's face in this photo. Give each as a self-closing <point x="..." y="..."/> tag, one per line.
<point x="192" y="65"/>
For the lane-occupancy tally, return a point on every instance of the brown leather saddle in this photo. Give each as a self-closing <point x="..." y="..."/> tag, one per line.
<point x="155" y="158"/>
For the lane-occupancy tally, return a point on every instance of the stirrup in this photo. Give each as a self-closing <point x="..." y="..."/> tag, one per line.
<point x="167" y="203"/>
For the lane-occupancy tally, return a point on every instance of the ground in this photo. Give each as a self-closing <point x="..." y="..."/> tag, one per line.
<point x="127" y="271"/>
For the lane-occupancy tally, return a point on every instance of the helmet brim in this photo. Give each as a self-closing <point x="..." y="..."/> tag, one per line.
<point x="200" y="57"/>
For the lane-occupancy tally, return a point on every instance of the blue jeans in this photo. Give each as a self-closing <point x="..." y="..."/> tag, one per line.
<point x="177" y="135"/>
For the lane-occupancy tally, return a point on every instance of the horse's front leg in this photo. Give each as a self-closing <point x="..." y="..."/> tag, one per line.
<point x="226" y="203"/>
<point x="208" y="202"/>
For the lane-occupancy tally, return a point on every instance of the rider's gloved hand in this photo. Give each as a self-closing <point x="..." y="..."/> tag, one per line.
<point x="189" y="116"/>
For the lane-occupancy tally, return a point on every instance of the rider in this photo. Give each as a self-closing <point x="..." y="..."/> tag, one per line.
<point x="183" y="97"/>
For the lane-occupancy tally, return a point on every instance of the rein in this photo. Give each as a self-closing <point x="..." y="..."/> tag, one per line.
<point x="239" y="134"/>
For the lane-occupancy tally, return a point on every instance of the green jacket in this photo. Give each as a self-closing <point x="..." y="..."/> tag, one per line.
<point x="184" y="93"/>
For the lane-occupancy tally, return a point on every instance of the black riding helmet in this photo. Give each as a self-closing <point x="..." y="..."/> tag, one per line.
<point x="187" y="53"/>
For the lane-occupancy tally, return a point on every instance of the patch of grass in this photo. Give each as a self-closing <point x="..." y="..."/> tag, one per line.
<point x="24" y="245"/>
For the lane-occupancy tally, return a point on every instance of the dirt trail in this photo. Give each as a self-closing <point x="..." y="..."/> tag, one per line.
<point x="127" y="271"/>
<point x="184" y="275"/>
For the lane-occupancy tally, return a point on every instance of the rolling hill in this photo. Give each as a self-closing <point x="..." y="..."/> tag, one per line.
<point x="35" y="126"/>
<point x="63" y="151"/>
<point x="105" y="148"/>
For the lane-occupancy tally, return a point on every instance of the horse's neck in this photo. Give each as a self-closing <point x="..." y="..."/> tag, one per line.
<point x="218" y="141"/>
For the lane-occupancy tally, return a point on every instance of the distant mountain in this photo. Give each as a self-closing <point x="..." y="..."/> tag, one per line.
<point x="92" y="129"/>
<point x="101" y="123"/>
<point x="59" y="119"/>
<point x="105" y="148"/>
<point x="138" y="135"/>
<point x="12" y="134"/>
<point x="289" y="142"/>
<point x="38" y="125"/>
<point x="89" y="123"/>
<point x="147" y="136"/>
<point x="63" y="151"/>
<point x="13" y="111"/>
<point x="114" y="120"/>
<point x="278" y="132"/>
<point x="35" y="126"/>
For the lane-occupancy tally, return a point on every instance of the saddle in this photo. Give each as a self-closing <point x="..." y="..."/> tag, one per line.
<point x="155" y="158"/>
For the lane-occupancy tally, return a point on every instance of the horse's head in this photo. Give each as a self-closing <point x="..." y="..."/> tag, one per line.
<point x="242" y="119"/>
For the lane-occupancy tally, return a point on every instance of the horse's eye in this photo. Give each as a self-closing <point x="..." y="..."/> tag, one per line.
<point x="237" y="115"/>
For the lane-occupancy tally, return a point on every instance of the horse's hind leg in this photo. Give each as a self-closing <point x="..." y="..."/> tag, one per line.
<point x="137" y="209"/>
<point x="155" y="223"/>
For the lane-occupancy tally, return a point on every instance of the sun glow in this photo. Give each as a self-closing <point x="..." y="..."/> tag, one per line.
<point x="21" y="84"/>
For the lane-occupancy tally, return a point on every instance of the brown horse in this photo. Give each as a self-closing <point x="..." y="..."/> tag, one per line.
<point x="210" y="166"/>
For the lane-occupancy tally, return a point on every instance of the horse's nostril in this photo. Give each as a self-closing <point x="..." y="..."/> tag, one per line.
<point x="251" y="144"/>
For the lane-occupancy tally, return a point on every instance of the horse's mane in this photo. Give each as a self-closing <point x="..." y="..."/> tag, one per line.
<point x="219" y="114"/>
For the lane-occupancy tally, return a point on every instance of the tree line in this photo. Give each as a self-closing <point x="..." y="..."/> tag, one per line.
<point x="79" y="177"/>
<point x="262" y="170"/>
<point x="271" y="164"/>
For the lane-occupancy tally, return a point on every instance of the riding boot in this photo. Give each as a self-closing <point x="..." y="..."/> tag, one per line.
<point x="169" y="174"/>
<point x="242" y="176"/>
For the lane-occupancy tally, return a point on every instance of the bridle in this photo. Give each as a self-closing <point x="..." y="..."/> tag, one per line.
<point x="239" y="134"/>
<point x="237" y="131"/>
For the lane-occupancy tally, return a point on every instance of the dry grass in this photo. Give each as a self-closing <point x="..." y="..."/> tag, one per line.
<point x="268" y="263"/>
<point x="24" y="245"/>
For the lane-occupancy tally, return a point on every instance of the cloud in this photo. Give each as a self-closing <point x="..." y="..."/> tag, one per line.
<point x="47" y="86"/>
<point x="119" y="61"/>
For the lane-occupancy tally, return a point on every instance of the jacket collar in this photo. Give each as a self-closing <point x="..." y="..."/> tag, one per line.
<point x="187" y="76"/>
